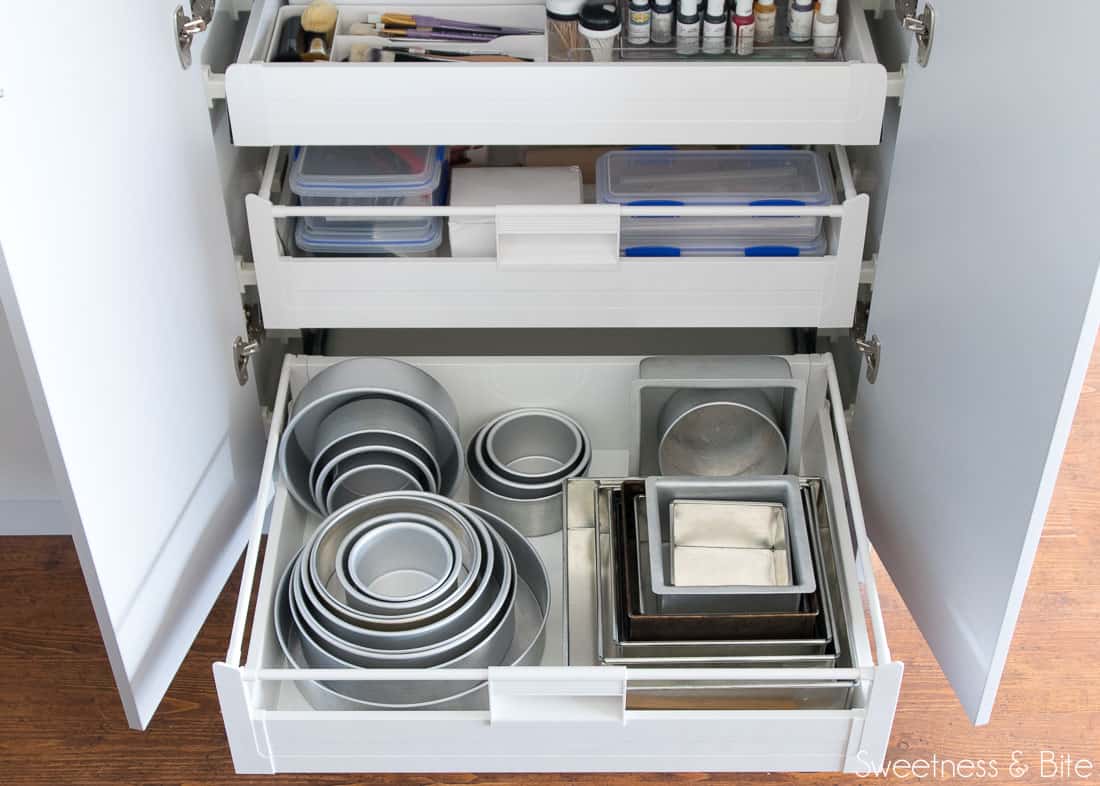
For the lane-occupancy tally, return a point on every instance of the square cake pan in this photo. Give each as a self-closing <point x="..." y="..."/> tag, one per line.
<point x="661" y="492"/>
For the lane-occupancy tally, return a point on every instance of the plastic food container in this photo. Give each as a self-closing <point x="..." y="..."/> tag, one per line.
<point x="714" y="237"/>
<point x="718" y="177"/>
<point x="391" y="175"/>
<point x="396" y="237"/>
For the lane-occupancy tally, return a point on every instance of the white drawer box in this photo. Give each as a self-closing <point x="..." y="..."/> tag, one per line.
<point x="556" y="266"/>
<point x="567" y="713"/>
<point x="553" y="103"/>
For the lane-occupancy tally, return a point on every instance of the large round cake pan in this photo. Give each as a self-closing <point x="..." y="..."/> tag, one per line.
<point x="357" y="595"/>
<point x="322" y="588"/>
<point x="534" y="445"/>
<point x="471" y="639"/>
<point x="346" y="448"/>
<point x="720" y="433"/>
<point x="373" y="414"/>
<point x="532" y="607"/>
<point x="358" y="378"/>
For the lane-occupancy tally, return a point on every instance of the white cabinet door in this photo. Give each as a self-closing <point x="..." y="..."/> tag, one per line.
<point x="120" y="287"/>
<point x="984" y="303"/>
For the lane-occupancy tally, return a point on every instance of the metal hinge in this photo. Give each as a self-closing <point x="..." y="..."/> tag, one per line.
<point x="244" y="348"/>
<point x="923" y="25"/>
<point x="871" y="349"/>
<point x="187" y="27"/>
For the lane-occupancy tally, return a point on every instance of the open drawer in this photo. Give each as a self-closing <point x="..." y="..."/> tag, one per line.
<point x="754" y="102"/>
<point x="556" y="266"/>
<point x="567" y="713"/>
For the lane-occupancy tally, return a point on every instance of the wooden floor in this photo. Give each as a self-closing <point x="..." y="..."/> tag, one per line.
<point x="62" y="723"/>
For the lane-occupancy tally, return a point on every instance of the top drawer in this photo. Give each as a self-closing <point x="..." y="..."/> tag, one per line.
<point x="745" y="101"/>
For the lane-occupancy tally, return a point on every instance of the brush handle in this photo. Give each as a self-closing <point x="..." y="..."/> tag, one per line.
<point x="409" y="20"/>
<point x="439" y="35"/>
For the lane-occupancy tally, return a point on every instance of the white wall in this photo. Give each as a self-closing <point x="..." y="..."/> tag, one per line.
<point x="28" y="497"/>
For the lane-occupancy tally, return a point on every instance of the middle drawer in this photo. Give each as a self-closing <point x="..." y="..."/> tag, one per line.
<point x="559" y="266"/>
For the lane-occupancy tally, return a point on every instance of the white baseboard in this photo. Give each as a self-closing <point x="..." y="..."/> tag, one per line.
<point x="33" y="517"/>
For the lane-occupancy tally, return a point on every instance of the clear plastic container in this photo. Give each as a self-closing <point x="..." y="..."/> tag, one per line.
<point x="392" y="175"/>
<point x="386" y="237"/>
<point x="719" y="177"/>
<point x="705" y="236"/>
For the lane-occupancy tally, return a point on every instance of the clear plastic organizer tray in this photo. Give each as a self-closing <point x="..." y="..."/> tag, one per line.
<point x="777" y="96"/>
<point x="555" y="265"/>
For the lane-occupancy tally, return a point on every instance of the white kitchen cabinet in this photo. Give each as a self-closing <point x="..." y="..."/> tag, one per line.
<point x="120" y="226"/>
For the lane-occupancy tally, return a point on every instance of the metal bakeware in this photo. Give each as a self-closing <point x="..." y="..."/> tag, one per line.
<point x="642" y="621"/>
<point x="372" y="472"/>
<point x="401" y="561"/>
<point x="356" y="598"/>
<point x="373" y="415"/>
<point x="347" y="448"/>
<point x="441" y="644"/>
<point x="613" y="648"/>
<point x="535" y="508"/>
<point x="712" y="542"/>
<point x="661" y="377"/>
<point x="366" y="378"/>
<point x="720" y="433"/>
<point x="530" y="611"/>
<point x="534" y="445"/>
<point x="326" y="593"/>
<point x="785" y="490"/>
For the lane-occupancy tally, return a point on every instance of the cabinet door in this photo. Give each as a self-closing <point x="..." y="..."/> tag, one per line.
<point x="120" y="287"/>
<point x="985" y="306"/>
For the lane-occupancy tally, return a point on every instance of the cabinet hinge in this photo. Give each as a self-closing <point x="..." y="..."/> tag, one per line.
<point x="871" y="349"/>
<point x="189" y="26"/>
<point x="922" y="25"/>
<point x="244" y="348"/>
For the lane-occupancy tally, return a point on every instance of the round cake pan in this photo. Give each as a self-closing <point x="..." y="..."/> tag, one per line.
<point x="358" y="378"/>
<point x="720" y="433"/>
<point x="440" y="622"/>
<point x="479" y="466"/>
<point x="325" y="589"/>
<point x="534" y="445"/>
<point x="474" y="641"/>
<point x="369" y="474"/>
<point x="353" y="458"/>
<point x="358" y="596"/>
<point x="372" y="440"/>
<point x="373" y="414"/>
<point x="530" y="614"/>
<point x="532" y="517"/>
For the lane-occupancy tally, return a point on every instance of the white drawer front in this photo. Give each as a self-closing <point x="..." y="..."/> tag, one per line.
<point x="557" y="717"/>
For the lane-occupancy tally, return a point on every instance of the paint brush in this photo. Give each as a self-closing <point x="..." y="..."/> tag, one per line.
<point x="435" y="22"/>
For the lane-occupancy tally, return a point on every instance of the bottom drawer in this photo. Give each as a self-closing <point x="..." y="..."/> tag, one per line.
<point x="568" y="714"/>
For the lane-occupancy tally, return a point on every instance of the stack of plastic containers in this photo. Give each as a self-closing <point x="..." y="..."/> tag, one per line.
<point x="717" y="177"/>
<point x="338" y="176"/>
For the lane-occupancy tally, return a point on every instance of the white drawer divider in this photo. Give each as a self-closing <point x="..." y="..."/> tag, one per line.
<point x="557" y="694"/>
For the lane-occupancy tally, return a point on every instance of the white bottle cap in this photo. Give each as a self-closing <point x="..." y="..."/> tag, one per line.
<point x="564" y="8"/>
<point x="663" y="3"/>
<point x="828" y="8"/>
<point x="744" y="8"/>
<point x="765" y="3"/>
<point x="716" y="8"/>
<point x="689" y="7"/>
